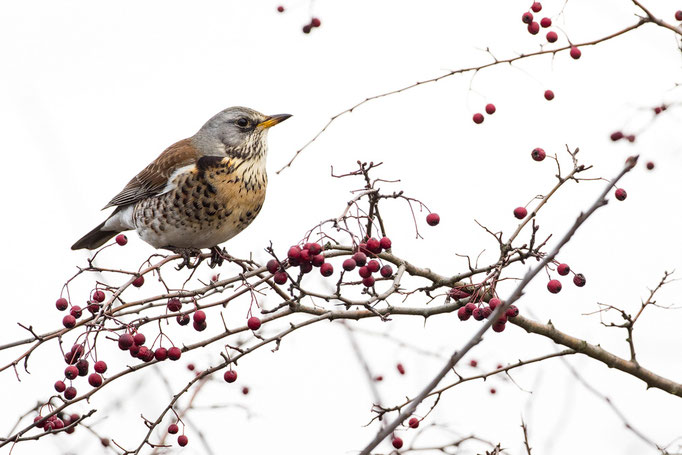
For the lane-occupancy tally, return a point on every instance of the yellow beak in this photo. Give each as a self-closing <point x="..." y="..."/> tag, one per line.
<point x="273" y="120"/>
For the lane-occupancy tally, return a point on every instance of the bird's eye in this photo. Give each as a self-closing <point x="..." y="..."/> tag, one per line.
<point x="243" y="122"/>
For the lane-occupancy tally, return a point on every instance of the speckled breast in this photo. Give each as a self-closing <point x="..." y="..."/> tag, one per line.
<point x="207" y="206"/>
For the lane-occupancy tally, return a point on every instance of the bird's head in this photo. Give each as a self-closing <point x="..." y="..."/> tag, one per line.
<point x="238" y="132"/>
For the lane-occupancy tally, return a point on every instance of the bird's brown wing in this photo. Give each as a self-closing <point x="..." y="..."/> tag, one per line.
<point x="154" y="178"/>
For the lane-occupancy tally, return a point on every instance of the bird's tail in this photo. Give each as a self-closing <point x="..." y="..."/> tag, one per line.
<point x="94" y="239"/>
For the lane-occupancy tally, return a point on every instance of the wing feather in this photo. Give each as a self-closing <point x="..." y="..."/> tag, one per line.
<point x="154" y="178"/>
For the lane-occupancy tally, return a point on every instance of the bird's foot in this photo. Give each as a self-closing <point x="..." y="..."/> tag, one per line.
<point x="187" y="254"/>
<point x="218" y="255"/>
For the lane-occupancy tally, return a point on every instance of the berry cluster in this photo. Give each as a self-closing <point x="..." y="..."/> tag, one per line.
<point x="618" y="135"/>
<point x="366" y="267"/>
<point x="533" y="27"/>
<point x="554" y="285"/>
<point x="75" y="313"/>
<point x="489" y="109"/>
<point x="56" y="422"/>
<point x="314" y="23"/>
<point x="481" y="311"/>
<point x="306" y="257"/>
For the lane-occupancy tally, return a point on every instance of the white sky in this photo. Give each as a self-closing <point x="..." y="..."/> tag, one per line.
<point x="92" y="91"/>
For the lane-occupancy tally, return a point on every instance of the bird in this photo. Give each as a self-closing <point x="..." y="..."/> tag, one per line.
<point x="200" y="192"/>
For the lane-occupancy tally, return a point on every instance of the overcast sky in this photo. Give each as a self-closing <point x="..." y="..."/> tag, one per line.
<point x="92" y="91"/>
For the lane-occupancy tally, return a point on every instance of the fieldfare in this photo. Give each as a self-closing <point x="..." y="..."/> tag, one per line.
<point x="200" y="192"/>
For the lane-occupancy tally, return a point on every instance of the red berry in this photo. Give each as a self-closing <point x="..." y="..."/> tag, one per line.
<point x="62" y="304"/>
<point x="554" y="286"/>
<point x="272" y="265"/>
<point x="161" y="354"/>
<point x="478" y="314"/>
<point x="38" y="420"/>
<point x="378" y="378"/>
<point x="527" y="17"/>
<point x="98" y="296"/>
<point x="139" y="281"/>
<point x="494" y="302"/>
<point x="230" y="376"/>
<point x="616" y="136"/>
<point x="385" y="243"/>
<point x="520" y="212"/>
<point x="549" y="95"/>
<point x="432" y="219"/>
<point x="294" y="252"/>
<point x="360" y="258"/>
<point x="76" y="311"/>
<point x="70" y="393"/>
<point x="486" y="311"/>
<point x="533" y="28"/>
<point x="499" y="327"/>
<point x="650" y="165"/>
<point x="463" y="314"/>
<point x="413" y="422"/>
<point x="174" y="304"/>
<point x="100" y="366"/>
<point x="315" y="249"/>
<point x="493" y="391"/>
<point x="182" y="440"/>
<point x="512" y="312"/>
<point x="575" y="53"/>
<point x="563" y="269"/>
<point x="364" y="272"/>
<point x="71" y="372"/>
<point x="327" y="269"/>
<point x="374" y="245"/>
<point x="134" y="350"/>
<point x="478" y="118"/>
<point x="386" y="271"/>
<point x="368" y="281"/>
<point x="145" y="354"/>
<point x="318" y="260"/>
<point x="373" y="266"/>
<point x="538" y="154"/>
<point x="174" y="353"/>
<point x="190" y="366"/>
<point x="536" y="7"/>
<point x="253" y="323"/>
<point x="59" y="386"/>
<point x="349" y="264"/>
<point x="173" y="428"/>
<point x="125" y="341"/>
<point x="315" y="22"/>
<point x="630" y="138"/>
<point x="95" y="380"/>
<point x="307" y="28"/>
<point x="552" y="37"/>
<point x="473" y="363"/>
<point x="397" y="442"/>
<point x="121" y="239"/>
<point x="245" y="390"/>
<point x="199" y="326"/>
<point x="139" y="339"/>
<point x="546" y="22"/>
<point x="621" y="194"/>
<point x="280" y="277"/>
<point x="678" y="15"/>
<point x="400" y="368"/>
<point x="579" y="280"/>
<point x="490" y="109"/>
<point x="69" y="321"/>
<point x="306" y="256"/>
<point x="198" y="317"/>
<point x="94" y="308"/>
<point x="470" y="307"/>
<point x="280" y="9"/>
<point x="183" y="319"/>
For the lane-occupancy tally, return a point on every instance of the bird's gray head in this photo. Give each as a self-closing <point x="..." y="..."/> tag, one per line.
<point x="238" y="132"/>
